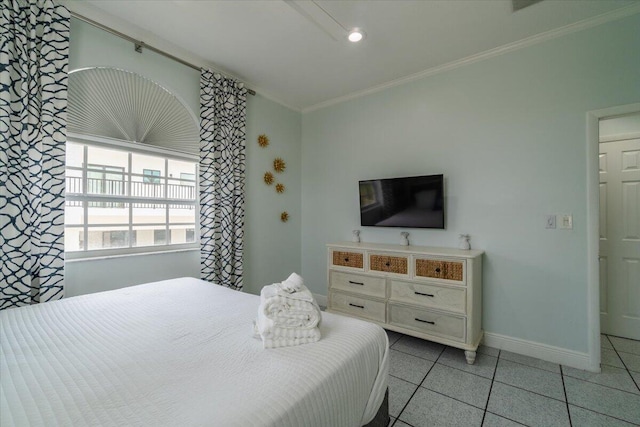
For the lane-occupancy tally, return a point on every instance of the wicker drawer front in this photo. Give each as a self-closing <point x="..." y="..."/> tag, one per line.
<point x="389" y="264"/>
<point x="428" y="322"/>
<point x="348" y="259"/>
<point x="440" y="269"/>
<point x="365" y="285"/>
<point x="358" y="307"/>
<point x="434" y="296"/>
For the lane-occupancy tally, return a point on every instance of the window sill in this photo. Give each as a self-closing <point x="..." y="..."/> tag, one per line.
<point x="97" y="257"/>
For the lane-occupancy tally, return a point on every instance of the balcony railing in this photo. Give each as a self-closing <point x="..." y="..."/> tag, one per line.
<point x="110" y="187"/>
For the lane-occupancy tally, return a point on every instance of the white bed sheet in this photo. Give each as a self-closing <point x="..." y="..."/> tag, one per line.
<point x="181" y="353"/>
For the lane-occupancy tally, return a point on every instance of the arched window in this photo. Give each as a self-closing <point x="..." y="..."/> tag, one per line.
<point x="131" y="166"/>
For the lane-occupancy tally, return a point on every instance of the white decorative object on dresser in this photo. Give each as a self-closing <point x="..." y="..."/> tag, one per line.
<point x="429" y="293"/>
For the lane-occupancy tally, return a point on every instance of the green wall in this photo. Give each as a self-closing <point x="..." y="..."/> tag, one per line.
<point x="509" y="134"/>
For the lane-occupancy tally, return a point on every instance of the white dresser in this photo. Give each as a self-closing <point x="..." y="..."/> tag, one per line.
<point x="429" y="293"/>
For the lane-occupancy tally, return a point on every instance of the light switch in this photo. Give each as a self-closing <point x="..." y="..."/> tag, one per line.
<point x="566" y="221"/>
<point x="550" y="221"/>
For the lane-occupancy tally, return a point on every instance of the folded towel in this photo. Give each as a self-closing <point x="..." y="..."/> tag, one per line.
<point x="313" y="336"/>
<point x="294" y="283"/>
<point x="273" y="337"/>
<point x="288" y="314"/>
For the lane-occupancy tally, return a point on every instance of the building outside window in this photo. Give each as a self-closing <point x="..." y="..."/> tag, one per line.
<point x="123" y="201"/>
<point x="151" y="176"/>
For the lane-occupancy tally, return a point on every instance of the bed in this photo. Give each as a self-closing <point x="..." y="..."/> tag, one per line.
<point x="181" y="352"/>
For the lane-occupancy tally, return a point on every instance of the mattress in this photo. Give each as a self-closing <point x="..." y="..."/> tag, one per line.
<point x="181" y="352"/>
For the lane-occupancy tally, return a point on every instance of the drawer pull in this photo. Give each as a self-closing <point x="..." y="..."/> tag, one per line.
<point x="426" y="295"/>
<point x="423" y="321"/>
<point x="356" y="283"/>
<point x="387" y="263"/>
<point x="356" y="305"/>
<point x="438" y="270"/>
<point x="346" y="260"/>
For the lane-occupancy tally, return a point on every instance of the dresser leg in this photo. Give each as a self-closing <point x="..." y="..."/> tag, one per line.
<point x="471" y="356"/>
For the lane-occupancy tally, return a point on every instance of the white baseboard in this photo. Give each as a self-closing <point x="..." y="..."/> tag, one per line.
<point x="574" y="359"/>
<point x="321" y="300"/>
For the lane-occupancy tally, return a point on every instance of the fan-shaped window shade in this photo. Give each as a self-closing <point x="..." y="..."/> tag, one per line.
<point x="119" y="104"/>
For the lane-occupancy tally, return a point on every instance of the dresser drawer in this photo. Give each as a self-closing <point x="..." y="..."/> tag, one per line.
<point x="434" y="296"/>
<point x="428" y="322"/>
<point x="347" y="259"/>
<point x="389" y="263"/>
<point x="366" y="285"/>
<point x="449" y="270"/>
<point x="359" y="307"/>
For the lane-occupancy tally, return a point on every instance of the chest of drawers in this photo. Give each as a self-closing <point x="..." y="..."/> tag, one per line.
<point x="430" y="293"/>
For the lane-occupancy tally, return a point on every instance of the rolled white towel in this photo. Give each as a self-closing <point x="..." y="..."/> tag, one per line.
<point x="293" y="283"/>
<point x="288" y="313"/>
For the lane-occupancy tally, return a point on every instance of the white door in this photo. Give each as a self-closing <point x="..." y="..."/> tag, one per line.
<point x="620" y="238"/>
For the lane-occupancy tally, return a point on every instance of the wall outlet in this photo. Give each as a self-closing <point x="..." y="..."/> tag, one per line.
<point x="550" y="221"/>
<point x="566" y="221"/>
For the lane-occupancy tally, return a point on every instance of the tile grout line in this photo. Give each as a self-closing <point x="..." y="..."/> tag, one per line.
<point x="498" y="357"/>
<point x="533" y="392"/>
<point x="511" y="385"/>
<point x="410" y="354"/>
<point x="637" y="383"/>
<point x="604" y="385"/>
<point x="613" y="388"/>
<point x="534" y="367"/>
<point x="417" y="388"/>
<point x="493" y="378"/>
<point x="507" y="418"/>
<point x="452" y="367"/>
<point x="449" y="397"/>
<point x="622" y="361"/>
<point x="603" y="414"/>
<point x="407" y="381"/>
<point x="566" y="397"/>
<point x="420" y="357"/>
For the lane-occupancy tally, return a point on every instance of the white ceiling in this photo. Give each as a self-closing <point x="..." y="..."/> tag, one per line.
<point x="291" y="51"/>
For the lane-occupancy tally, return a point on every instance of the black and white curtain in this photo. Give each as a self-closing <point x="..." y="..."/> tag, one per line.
<point x="223" y="108"/>
<point x="34" y="56"/>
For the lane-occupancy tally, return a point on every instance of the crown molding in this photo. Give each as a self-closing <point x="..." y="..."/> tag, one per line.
<point x="510" y="47"/>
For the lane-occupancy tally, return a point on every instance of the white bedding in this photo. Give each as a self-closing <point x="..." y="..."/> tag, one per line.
<point x="181" y="353"/>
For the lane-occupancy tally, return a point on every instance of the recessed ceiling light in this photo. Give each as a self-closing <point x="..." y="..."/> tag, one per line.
<point x="356" y="35"/>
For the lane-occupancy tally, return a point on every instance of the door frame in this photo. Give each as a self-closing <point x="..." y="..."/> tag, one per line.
<point x="593" y="225"/>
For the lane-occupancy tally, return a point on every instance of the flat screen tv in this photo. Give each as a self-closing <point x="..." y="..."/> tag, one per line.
<point x="409" y="202"/>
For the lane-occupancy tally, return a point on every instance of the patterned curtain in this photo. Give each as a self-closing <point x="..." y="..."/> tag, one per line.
<point x="223" y="110"/>
<point x="34" y="52"/>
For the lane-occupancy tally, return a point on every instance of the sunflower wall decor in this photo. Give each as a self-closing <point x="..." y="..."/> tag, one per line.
<point x="284" y="216"/>
<point x="268" y="178"/>
<point x="279" y="165"/>
<point x="263" y="140"/>
<point x="280" y="188"/>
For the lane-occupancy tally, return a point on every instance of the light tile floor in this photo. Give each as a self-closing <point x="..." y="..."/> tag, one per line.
<point x="432" y="385"/>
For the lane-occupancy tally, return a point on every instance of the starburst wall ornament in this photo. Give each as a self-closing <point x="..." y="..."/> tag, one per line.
<point x="263" y="140"/>
<point x="268" y="178"/>
<point x="280" y="188"/>
<point x="279" y="165"/>
<point x="284" y="216"/>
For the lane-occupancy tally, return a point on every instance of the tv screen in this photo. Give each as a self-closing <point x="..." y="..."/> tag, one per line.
<point x="410" y="202"/>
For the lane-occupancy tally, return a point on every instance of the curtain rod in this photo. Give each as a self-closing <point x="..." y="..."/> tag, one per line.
<point x="140" y="44"/>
